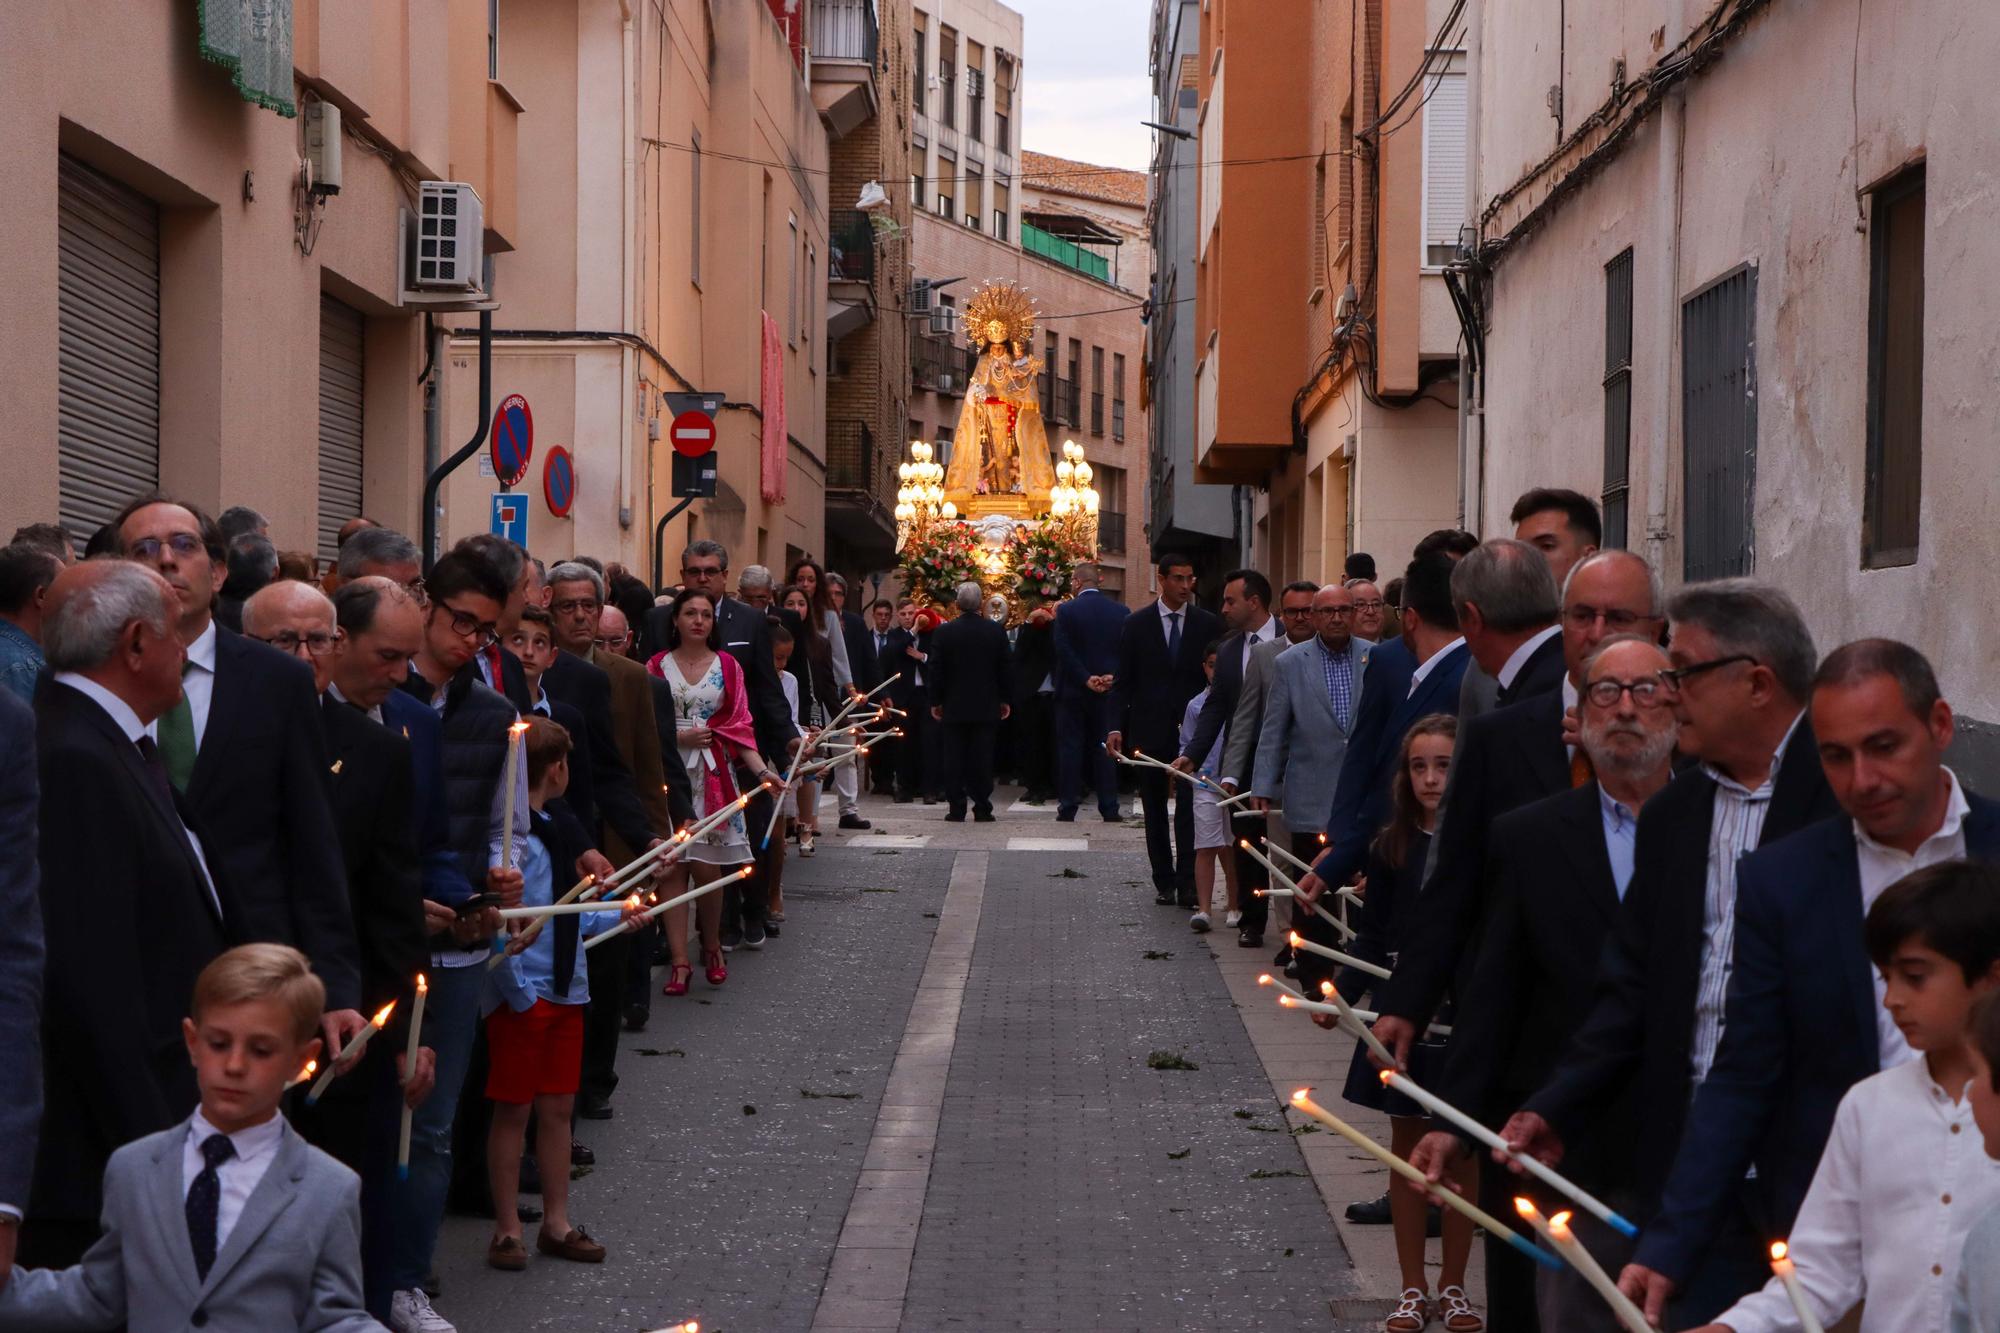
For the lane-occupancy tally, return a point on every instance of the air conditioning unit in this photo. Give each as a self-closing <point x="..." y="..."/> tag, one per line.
<point x="449" y="237"/>
<point x="941" y="321"/>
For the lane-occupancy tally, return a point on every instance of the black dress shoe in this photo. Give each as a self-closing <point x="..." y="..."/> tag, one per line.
<point x="1249" y="940"/>
<point x="1186" y="902"/>
<point x="982" y="816"/>
<point x="954" y="816"/>
<point x="1065" y="816"/>
<point x="592" y="1107"/>
<point x="636" y="1016"/>
<point x="581" y="1155"/>
<point x="1373" y="1213"/>
<point x="1282" y="956"/>
<point x="905" y="800"/>
<point x="854" y="821"/>
<point x="1165" y="898"/>
<point x="1114" y="819"/>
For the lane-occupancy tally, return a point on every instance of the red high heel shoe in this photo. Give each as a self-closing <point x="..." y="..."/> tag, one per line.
<point x="678" y="977"/>
<point x="717" y="973"/>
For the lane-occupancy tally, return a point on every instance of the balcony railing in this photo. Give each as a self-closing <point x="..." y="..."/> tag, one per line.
<point x="850" y="455"/>
<point x="1118" y="419"/>
<point x="851" y="246"/>
<point x="938" y="366"/>
<point x="844" y="30"/>
<point x="1110" y="531"/>
<point x="1061" y="401"/>
<point x="1097" y="414"/>
<point x="1070" y="255"/>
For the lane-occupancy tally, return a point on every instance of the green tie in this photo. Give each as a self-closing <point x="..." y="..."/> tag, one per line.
<point x="176" y="742"/>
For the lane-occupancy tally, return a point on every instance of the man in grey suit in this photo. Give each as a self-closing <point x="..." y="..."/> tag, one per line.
<point x="20" y="972"/>
<point x="1239" y="751"/>
<point x="1314" y="690"/>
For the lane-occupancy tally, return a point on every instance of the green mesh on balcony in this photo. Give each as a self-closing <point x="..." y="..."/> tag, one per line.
<point x="1038" y="242"/>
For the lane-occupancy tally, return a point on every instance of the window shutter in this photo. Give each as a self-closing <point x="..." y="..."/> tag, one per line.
<point x="1444" y="164"/>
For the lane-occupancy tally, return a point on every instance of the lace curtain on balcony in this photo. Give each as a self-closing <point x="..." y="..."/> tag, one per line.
<point x="252" y="39"/>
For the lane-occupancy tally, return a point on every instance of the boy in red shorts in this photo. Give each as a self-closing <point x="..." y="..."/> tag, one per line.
<point x="534" y="1024"/>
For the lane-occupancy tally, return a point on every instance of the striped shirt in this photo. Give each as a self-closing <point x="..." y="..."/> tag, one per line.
<point x="1735" y="829"/>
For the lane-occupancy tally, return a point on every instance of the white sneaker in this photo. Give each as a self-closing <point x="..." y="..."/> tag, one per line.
<point x="1231" y="920"/>
<point x="1199" y="923"/>
<point x="410" y="1312"/>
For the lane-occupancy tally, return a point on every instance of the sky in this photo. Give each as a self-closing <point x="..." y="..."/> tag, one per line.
<point x="1087" y="88"/>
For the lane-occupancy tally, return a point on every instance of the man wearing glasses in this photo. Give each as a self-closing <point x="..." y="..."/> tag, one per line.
<point x="1370" y="611"/>
<point x="243" y="745"/>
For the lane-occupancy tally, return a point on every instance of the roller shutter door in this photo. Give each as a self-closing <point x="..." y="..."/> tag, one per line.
<point x="340" y="343"/>
<point x="108" y="385"/>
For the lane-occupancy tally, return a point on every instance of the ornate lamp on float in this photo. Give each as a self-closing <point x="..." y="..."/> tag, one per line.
<point x="1073" y="501"/>
<point x="920" y="500"/>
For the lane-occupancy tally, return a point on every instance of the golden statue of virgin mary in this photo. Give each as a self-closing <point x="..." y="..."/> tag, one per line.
<point x="1000" y="448"/>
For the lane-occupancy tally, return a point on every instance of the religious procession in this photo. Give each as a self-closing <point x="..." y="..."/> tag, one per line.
<point x="652" y="678"/>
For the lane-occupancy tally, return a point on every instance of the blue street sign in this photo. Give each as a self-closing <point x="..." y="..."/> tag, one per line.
<point x="510" y="516"/>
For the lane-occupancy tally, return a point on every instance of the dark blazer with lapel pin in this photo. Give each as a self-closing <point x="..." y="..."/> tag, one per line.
<point x="1553" y="902"/>
<point x="1151" y="692"/>
<point x="260" y="784"/>
<point x="1798" y="1031"/>
<point x="1503" y="760"/>
<point x="292" y="1261"/>
<point x="1639" y="1036"/>
<point x="130" y="924"/>
<point x="374" y="808"/>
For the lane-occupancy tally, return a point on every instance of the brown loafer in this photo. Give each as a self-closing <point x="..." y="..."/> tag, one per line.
<point x="507" y="1254"/>
<point x="577" y="1246"/>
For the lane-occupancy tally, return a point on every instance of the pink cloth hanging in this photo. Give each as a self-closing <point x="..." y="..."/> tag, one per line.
<point x="772" y="482"/>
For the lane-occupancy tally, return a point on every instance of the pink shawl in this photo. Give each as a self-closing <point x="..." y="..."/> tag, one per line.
<point x="731" y="723"/>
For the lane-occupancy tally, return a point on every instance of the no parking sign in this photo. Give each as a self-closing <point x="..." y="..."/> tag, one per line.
<point x="512" y="440"/>
<point x="559" y="481"/>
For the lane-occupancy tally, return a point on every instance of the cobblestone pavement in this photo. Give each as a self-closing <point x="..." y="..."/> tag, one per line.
<point x="1051" y="1180"/>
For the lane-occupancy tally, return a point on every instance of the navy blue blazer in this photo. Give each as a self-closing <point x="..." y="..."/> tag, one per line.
<point x="1087" y="633"/>
<point x="1382" y="718"/>
<point x="21" y="950"/>
<point x="444" y="880"/>
<point x="1798" y="1031"/>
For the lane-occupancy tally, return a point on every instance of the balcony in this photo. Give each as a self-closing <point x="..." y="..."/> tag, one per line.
<point x="850" y="455"/>
<point x="1061" y="400"/>
<point x="1110" y="532"/>
<point x="859" y="482"/>
<point x="850" y="239"/>
<point x="938" y="366"/>
<point x="1070" y="255"/>
<point x="843" y="38"/>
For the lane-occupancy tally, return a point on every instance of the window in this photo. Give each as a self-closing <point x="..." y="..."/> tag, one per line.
<point x="916" y="191"/>
<point x="1895" y="466"/>
<point x="918" y="71"/>
<point x="1444" y="163"/>
<point x="1003" y="104"/>
<point x="1719" y="426"/>
<point x="1346" y="169"/>
<point x="1097" y="391"/>
<point x="812" y="287"/>
<point x="792" y="281"/>
<point x="975" y="197"/>
<point x="1049" y="380"/>
<point x="975" y="90"/>
<point x="1118" y="396"/>
<point x="694" y="212"/>
<point x="947" y="205"/>
<point x="492" y="39"/>
<point x="1617" y="398"/>
<point x="948" y="76"/>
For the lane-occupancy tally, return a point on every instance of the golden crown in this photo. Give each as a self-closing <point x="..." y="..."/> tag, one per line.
<point x="1002" y="302"/>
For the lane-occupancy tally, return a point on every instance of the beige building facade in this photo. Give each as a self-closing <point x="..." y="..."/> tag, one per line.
<point x="1733" y="277"/>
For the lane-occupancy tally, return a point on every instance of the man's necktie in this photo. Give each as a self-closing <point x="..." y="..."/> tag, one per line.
<point x="156" y="772"/>
<point x="204" y="1201"/>
<point x="1581" y="773"/>
<point x="177" y="748"/>
<point x="1173" y="637"/>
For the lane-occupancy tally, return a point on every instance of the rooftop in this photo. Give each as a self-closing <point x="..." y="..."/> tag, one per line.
<point x="1085" y="180"/>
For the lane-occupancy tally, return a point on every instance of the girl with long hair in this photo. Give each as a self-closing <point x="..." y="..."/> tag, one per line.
<point x="715" y="736"/>
<point x="819" y="694"/>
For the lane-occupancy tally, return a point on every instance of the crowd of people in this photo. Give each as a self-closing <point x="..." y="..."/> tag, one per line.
<point x="1640" y="881"/>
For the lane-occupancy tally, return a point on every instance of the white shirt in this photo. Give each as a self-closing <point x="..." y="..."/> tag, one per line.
<point x="256" y="1147"/>
<point x="129" y="723"/>
<point x="1734" y="829"/>
<point x="1417" y="678"/>
<point x="1570" y="699"/>
<point x="1519" y="657"/>
<point x="1902" y="1181"/>
<point x="1882" y="866"/>
<point x="374" y="714"/>
<point x="1254" y="636"/>
<point x="1167" y="625"/>
<point x="198" y="682"/>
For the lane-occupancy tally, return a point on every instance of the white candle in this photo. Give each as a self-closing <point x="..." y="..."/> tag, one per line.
<point x="1548" y="1175"/>
<point x="351" y="1051"/>
<point x="1402" y="1168"/>
<point x="1298" y="941"/>
<point x="514" y="734"/>
<point x="1352" y="1021"/>
<point x="520" y="942"/>
<point x="655" y="911"/>
<point x="1556" y="1231"/>
<point x="410" y="1072"/>
<point x="1781" y="1264"/>
<point x="302" y="1075"/>
<point x="558" y="909"/>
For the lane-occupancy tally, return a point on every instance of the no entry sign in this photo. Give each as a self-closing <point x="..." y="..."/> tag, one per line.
<point x="559" y="481"/>
<point x="693" y="434"/>
<point x="512" y="440"/>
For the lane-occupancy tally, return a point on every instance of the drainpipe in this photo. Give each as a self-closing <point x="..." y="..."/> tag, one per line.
<point x="1666" y="414"/>
<point x="470" y="447"/>
<point x="628" y="368"/>
<point x="1472" y="390"/>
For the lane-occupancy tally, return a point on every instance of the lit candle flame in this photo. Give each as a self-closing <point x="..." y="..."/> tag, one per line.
<point x="381" y="1018"/>
<point x="423" y="986"/>
<point x="1779" y="1250"/>
<point x="1264" y="979"/>
<point x="1326" y="988"/>
<point x="311" y="1068"/>
<point x="519" y="727"/>
<point x="1524" y="1207"/>
<point x="1386" y="1075"/>
<point x="1299" y="1097"/>
<point x="1286" y="1002"/>
<point x="1560" y="1223"/>
<point x="1244" y="843"/>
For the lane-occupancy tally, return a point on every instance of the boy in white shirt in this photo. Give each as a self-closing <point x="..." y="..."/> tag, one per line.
<point x="1975" y="1300"/>
<point x="1903" y="1177"/>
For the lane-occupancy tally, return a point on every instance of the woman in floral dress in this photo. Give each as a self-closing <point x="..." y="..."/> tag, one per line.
<point x="712" y="722"/>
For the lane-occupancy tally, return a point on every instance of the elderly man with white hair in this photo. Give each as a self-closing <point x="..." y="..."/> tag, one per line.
<point x="971" y="679"/>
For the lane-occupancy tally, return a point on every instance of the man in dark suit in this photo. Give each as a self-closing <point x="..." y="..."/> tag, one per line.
<point x="1246" y="612"/>
<point x="1804" y="1019"/>
<point x="971" y="681"/>
<point x="1033" y="724"/>
<point x="866" y="671"/>
<point x="496" y="664"/>
<point x="917" y="775"/>
<point x="1088" y="631"/>
<point x="1743" y="667"/>
<point x="21" y="962"/>
<point x="129" y="920"/>
<point x="245" y="746"/>
<point x="1564" y="526"/>
<point x="883" y="754"/>
<point x="1557" y="870"/>
<point x="1160" y="650"/>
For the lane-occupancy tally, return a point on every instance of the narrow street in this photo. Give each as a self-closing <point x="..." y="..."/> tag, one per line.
<point x="928" y="1106"/>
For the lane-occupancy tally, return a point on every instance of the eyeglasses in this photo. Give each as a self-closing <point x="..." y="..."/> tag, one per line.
<point x="285" y="641"/>
<point x="703" y="571"/>
<point x="1333" y="610"/>
<point x="571" y="605"/>
<point x="415" y="587"/>
<point x="1618" y="622"/>
<point x="1647" y="692"/>
<point x="1374" y="604"/>
<point x="1295" y="612"/>
<point x="1678" y="677"/>
<point x="468" y="626"/>
<point x="183" y="544"/>
<point x="615" y="645"/>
